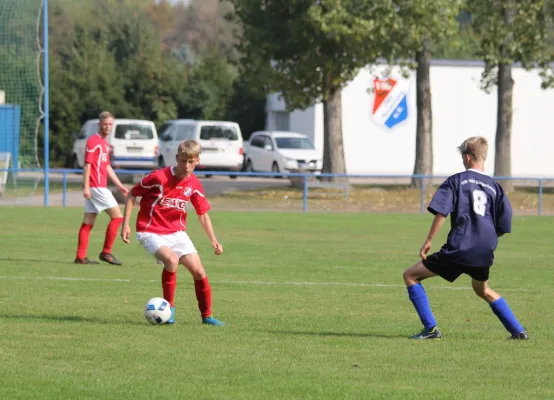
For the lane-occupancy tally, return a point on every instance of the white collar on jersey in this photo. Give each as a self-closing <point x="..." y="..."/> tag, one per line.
<point x="173" y="170"/>
<point x="479" y="172"/>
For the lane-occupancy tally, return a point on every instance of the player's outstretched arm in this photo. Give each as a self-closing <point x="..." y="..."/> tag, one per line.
<point x="125" y="227"/>
<point x="116" y="181"/>
<point x="206" y="223"/>
<point x="435" y="227"/>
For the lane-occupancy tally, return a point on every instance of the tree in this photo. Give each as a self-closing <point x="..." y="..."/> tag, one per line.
<point x="210" y="88"/>
<point x="108" y="57"/>
<point x="423" y="24"/>
<point x="247" y="108"/>
<point x="512" y="31"/>
<point x="315" y="49"/>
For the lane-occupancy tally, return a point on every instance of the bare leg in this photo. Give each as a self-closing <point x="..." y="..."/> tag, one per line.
<point x="193" y="263"/>
<point x="89" y="218"/>
<point x="483" y="290"/>
<point x="416" y="273"/>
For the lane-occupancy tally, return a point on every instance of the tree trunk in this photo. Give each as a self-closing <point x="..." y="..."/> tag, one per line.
<point x="503" y="149"/>
<point x="333" y="150"/>
<point x="424" y="129"/>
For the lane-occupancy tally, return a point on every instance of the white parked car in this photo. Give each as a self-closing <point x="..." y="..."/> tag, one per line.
<point x="133" y="143"/>
<point x="281" y="152"/>
<point x="221" y="141"/>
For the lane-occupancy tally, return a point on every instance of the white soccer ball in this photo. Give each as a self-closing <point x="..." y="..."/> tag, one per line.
<point x="157" y="311"/>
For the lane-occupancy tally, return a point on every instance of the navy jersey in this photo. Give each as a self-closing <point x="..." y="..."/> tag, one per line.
<point x="479" y="210"/>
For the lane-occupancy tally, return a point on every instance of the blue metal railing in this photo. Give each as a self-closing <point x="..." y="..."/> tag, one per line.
<point x="304" y="176"/>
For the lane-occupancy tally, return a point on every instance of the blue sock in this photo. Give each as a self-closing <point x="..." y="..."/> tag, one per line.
<point x="502" y="310"/>
<point x="421" y="303"/>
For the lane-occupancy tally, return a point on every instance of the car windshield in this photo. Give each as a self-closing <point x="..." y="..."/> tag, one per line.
<point x="134" y="132"/>
<point x="294" y="143"/>
<point x="210" y="132"/>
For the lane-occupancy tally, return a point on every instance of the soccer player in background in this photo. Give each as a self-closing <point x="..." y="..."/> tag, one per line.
<point x="161" y="224"/>
<point x="480" y="212"/>
<point x="98" y="198"/>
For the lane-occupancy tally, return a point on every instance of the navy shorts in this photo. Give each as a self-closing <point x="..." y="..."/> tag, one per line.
<point x="439" y="264"/>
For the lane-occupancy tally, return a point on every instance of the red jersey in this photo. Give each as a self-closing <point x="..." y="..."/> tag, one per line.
<point x="97" y="154"/>
<point x="164" y="201"/>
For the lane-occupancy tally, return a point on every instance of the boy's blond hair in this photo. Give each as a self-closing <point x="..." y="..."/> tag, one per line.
<point x="189" y="149"/>
<point x="476" y="146"/>
<point x="105" y="115"/>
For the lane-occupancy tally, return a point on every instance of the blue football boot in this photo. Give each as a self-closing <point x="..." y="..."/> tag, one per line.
<point x="520" y="336"/>
<point x="433" y="333"/>
<point x="171" y="319"/>
<point x="212" y="321"/>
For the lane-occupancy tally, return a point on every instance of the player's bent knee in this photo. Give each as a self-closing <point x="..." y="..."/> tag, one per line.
<point x="193" y="264"/>
<point x="197" y="271"/>
<point x="413" y="274"/>
<point x="114" y="212"/>
<point x="480" y="293"/>
<point x="171" y="263"/>
<point x="406" y="275"/>
<point x="89" y="218"/>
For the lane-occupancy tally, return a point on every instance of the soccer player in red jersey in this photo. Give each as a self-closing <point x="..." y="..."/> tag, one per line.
<point x="161" y="224"/>
<point x="98" y="198"/>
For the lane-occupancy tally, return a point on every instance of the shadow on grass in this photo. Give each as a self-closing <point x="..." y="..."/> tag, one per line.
<point x="72" y="318"/>
<point x="338" y="334"/>
<point x="34" y="260"/>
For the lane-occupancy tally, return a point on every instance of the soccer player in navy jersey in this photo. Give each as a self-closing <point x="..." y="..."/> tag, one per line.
<point x="161" y="225"/>
<point x="480" y="213"/>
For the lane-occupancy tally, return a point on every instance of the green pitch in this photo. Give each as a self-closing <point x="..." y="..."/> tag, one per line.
<point x="314" y="304"/>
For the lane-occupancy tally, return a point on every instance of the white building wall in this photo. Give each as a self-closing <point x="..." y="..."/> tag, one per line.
<point x="460" y="110"/>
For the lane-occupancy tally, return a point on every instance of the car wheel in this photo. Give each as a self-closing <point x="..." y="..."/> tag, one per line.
<point x="275" y="170"/>
<point x="208" y="176"/>
<point x="233" y="176"/>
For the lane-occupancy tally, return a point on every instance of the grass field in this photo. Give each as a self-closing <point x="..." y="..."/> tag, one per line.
<point x="314" y="305"/>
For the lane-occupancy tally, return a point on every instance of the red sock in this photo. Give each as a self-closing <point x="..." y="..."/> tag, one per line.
<point x="111" y="233"/>
<point x="84" y="234"/>
<point x="169" y="282"/>
<point x="204" y="296"/>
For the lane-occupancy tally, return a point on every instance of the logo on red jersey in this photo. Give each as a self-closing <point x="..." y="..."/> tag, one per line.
<point x="188" y="191"/>
<point x="178" y="204"/>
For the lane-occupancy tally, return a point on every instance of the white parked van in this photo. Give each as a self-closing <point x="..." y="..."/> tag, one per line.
<point x="133" y="143"/>
<point x="221" y="141"/>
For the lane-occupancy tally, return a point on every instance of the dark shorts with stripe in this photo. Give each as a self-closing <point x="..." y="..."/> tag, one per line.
<point x="440" y="264"/>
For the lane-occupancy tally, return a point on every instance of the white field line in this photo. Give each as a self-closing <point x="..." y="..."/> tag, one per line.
<point x="257" y="283"/>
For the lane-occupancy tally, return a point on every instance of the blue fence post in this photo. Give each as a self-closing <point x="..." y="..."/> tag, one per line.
<point x="422" y="199"/>
<point x="64" y="190"/>
<point x="540" y="197"/>
<point x="305" y="194"/>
